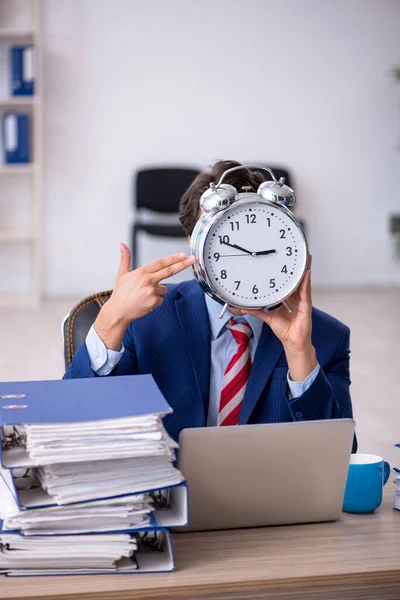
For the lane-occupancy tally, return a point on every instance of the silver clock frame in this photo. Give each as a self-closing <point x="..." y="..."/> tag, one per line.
<point x="200" y="236"/>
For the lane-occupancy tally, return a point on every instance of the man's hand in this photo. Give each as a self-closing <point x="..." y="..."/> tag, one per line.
<point x="135" y="294"/>
<point x="294" y="329"/>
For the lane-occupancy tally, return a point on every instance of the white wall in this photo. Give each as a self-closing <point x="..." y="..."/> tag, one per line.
<point x="304" y="83"/>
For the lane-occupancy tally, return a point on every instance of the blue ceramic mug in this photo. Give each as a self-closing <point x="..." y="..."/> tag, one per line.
<point x="365" y="480"/>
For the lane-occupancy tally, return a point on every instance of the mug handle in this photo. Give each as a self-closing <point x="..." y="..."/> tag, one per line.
<point x="386" y="472"/>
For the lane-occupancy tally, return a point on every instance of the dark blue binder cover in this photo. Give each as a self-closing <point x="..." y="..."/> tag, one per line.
<point x="74" y="400"/>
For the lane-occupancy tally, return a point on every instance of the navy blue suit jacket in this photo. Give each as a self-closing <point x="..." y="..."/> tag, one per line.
<point x="173" y="344"/>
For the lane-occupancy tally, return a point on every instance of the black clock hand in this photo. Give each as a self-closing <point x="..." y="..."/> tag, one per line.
<point x="264" y="252"/>
<point x="237" y="247"/>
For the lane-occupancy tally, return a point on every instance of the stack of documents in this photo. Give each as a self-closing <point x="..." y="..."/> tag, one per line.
<point x="87" y="481"/>
<point x="117" y="514"/>
<point x="396" y="499"/>
<point x="21" y="556"/>
<point x="117" y="438"/>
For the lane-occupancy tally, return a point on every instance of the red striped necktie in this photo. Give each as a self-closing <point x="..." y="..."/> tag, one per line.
<point x="236" y="375"/>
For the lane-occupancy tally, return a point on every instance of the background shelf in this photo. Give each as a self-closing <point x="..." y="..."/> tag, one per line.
<point x="21" y="203"/>
<point x="22" y="234"/>
<point x="17" y="101"/>
<point x="9" y="35"/>
<point x="17" y="169"/>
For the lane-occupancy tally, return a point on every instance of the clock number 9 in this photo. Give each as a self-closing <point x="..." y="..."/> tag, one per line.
<point x="216" y="256"/>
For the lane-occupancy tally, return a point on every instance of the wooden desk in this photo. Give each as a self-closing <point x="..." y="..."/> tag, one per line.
<point x="355" y="558"/>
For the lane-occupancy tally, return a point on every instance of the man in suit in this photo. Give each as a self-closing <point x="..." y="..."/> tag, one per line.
<point x="250" y="367"/>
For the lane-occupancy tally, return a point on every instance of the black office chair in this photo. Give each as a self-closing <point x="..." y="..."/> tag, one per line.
<point x="158" y="190"/>
<point x="77" y="323"/>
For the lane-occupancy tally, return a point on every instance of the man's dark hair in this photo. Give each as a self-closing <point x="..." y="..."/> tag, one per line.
<point x="189" y="205"/>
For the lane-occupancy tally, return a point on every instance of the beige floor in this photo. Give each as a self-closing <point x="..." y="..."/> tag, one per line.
<point x="31" y="349"/>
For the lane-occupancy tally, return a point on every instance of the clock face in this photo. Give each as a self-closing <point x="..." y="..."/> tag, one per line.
<point x="255" y="255"/>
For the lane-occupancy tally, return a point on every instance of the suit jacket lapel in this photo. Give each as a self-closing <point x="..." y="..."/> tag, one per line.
<point x="193" y="318"/>
<point x="268" y="352"/>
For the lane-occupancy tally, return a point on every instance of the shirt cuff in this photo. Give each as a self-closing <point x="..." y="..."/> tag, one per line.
<point x="102" y="359"/>
<point x="297" y="388"/>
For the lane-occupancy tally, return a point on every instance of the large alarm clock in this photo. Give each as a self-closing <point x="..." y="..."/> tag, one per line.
<point x="251" y="251"/>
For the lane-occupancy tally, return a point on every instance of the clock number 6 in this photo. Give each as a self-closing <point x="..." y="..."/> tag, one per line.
<point x="255" y="289"/>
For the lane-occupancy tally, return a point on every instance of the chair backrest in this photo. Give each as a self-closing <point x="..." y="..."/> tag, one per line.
<point x="160" y="189"/>
<point x="77" y="323"/>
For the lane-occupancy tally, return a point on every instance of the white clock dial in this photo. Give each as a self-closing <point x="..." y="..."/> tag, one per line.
<point x="255" y="255"/>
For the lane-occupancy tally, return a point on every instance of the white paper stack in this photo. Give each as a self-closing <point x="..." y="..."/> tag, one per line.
<point x="118" y="514"/>
<point x="111" y="553"/>
<point x="49" y="444"/>
<point x="79" y="462"/>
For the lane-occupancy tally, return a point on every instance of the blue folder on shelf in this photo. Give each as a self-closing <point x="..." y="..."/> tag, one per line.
<point x="16" y="138"/>
<point x="22" y="70"/>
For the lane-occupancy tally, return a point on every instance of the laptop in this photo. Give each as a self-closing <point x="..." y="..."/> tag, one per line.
<point x="272" y="474"/>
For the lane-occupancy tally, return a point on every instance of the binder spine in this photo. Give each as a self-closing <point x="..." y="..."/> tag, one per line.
<point x="22" y="70"/>
<point x="16" y="136"/>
